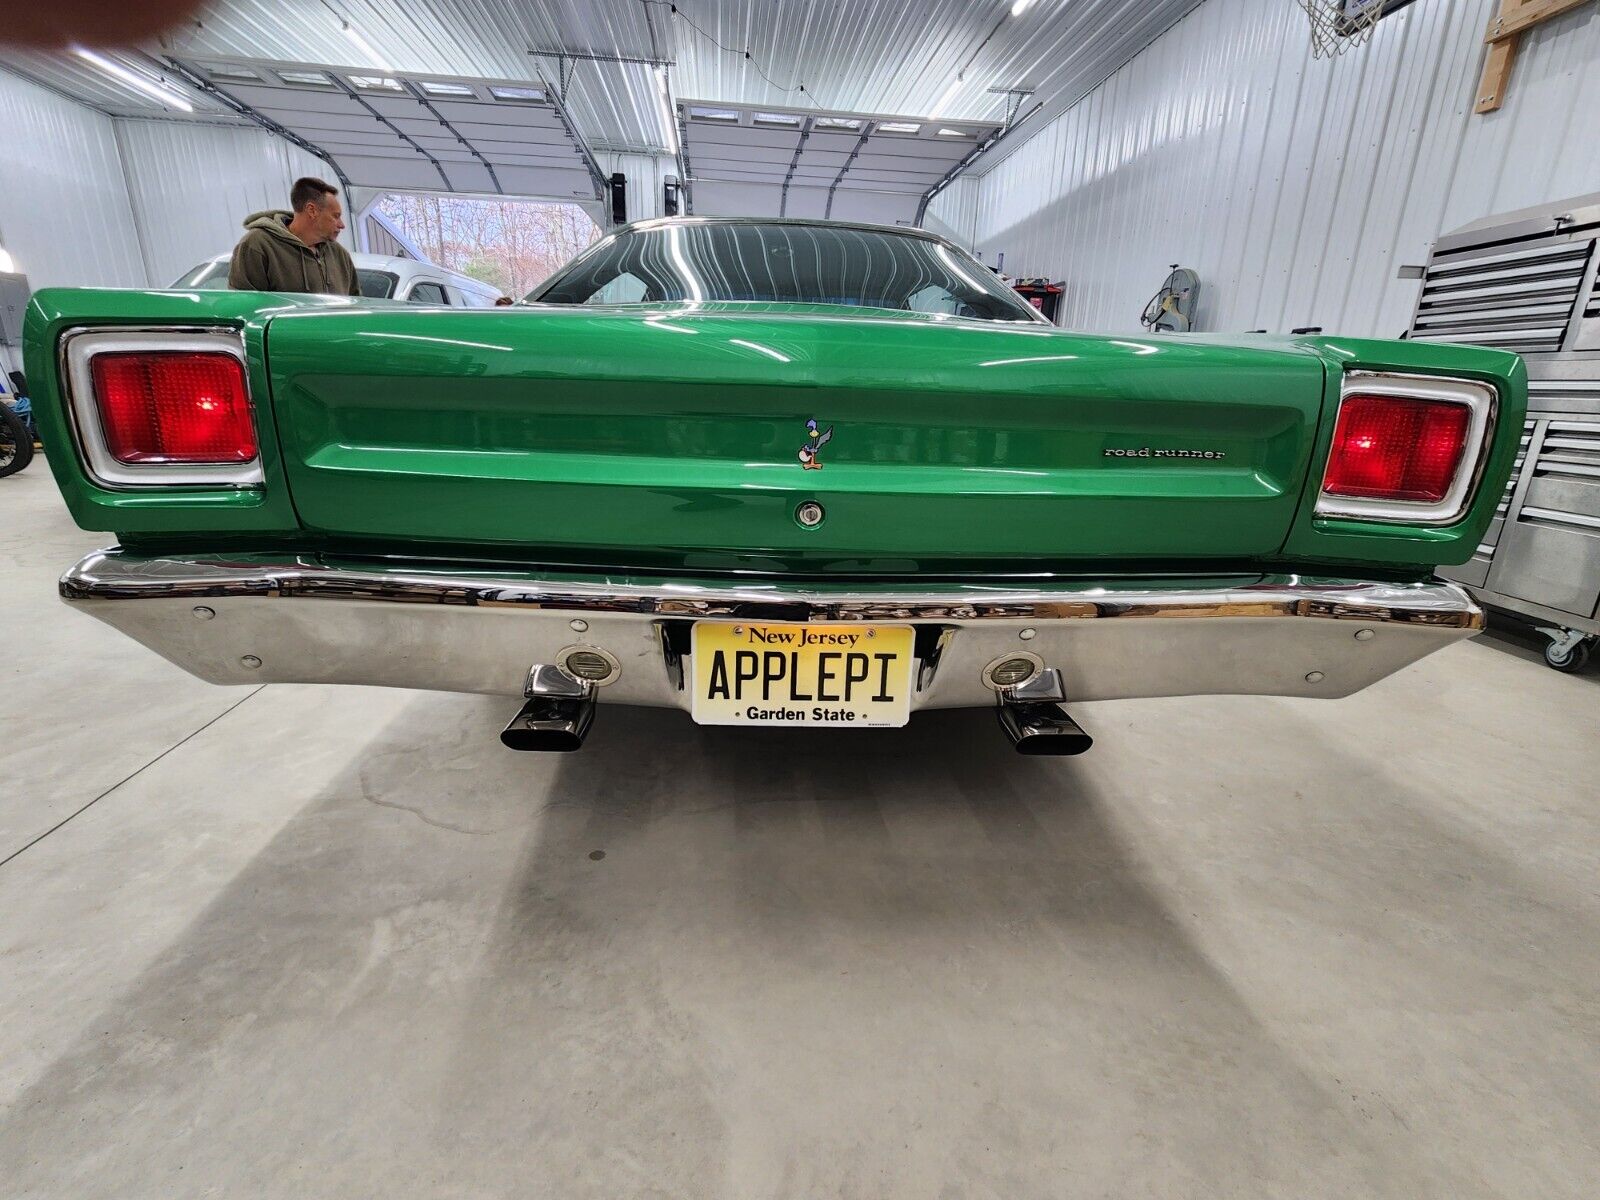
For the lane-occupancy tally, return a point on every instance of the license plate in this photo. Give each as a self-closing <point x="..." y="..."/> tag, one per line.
<point x="836" y="676"/>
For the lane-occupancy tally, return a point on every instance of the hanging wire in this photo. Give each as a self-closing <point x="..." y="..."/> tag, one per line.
<point x="745" y="53"/>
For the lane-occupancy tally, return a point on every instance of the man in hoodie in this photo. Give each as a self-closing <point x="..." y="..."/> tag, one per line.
<point x="296" y="251"/>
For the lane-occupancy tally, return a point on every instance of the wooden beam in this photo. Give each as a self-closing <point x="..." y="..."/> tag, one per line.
<point x="1526" y="16"/>
<point x="1496" y="75"/>
<point x="1513" y="19"/>
<point x="1501" y="59"/>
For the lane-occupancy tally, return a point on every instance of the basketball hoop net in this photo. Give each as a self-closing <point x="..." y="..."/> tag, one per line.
<point x="1337" y="25"/>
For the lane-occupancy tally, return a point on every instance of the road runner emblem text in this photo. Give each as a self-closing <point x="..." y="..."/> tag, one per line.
<point x="814" y="441"/>
<point x="1147" y="452"/>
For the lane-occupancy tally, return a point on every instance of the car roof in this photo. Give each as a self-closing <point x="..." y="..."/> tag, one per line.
<point x="372" y="262"/>
<point x="814" y="222"/>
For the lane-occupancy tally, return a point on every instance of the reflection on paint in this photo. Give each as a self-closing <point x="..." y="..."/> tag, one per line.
<point x="1036" y="358"/>
<point x="417" y="337"/>
<point x="681" y="261"/>
<point x="756" y="346"/>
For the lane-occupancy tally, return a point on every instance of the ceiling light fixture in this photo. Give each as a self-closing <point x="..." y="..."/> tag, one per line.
<point x="944" y="101"/>
<point x="665" y="99"/>
<point x="1020" y="7"/>
<point x="8" y="264"/>
<point x="143" y="83"/>
<point x="354" y="34"/>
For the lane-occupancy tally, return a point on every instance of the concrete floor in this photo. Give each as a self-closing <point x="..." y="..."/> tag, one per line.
<point x="337" y="942"/>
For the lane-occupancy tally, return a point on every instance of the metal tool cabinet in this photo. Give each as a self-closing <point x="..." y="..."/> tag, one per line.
<point x="1526" y="281"/>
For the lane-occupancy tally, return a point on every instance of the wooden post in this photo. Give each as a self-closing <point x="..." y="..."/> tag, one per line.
<point x="1510" y="21"/>
<point x="1502" y="57"/>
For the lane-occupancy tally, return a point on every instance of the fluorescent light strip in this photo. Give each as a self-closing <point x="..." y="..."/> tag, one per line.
<point x="142" y="83"/>
<point x="351" y="32"/>
<point x="666" y="110"/>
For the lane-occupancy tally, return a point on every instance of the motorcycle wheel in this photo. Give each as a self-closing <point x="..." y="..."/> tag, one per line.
<point x="16" y="444"/>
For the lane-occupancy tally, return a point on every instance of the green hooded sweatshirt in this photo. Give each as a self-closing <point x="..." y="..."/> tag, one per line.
<point x="271" y="259"/>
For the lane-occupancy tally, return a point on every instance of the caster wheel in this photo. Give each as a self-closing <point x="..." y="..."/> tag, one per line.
<point x="1574" y="659"/>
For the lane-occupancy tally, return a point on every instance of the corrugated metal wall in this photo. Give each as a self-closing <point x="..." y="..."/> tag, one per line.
<point x="64" y="212"/>
<point x="955" y="212"/>
<point x="381" y="241"/>
<point x="191" y="186"/>
<point x="1295" y="187"/>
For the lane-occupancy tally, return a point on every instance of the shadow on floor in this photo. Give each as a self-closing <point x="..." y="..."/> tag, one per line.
<point x="691" y="962"/>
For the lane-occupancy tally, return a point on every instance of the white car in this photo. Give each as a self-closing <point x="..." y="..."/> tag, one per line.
<point x="379" y="276"/>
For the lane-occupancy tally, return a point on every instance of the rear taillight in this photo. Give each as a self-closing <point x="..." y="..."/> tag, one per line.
<point x="157" y="408"/>
<point x="1406" y="449"/>
<point x="1391" y="448"/>
<point x="174" y="407"/>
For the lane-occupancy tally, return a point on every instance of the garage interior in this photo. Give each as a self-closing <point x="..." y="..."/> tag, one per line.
<point x="306" y="940"/>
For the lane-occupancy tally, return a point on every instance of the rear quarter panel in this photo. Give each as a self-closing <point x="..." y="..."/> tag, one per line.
<point x="214" y="513"/>
<point x="1343" y="540"/>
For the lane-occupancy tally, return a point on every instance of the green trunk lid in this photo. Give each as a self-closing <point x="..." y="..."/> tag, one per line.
<point x="602" y="433"/>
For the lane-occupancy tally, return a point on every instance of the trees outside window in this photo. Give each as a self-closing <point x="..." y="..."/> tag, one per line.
<point x="513" y="244"/>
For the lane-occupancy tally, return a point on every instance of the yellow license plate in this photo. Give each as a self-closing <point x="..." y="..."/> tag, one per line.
<point x="835" y="676"/>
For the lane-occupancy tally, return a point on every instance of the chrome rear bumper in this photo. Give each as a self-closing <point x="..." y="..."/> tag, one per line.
<point x="296" y="620"/>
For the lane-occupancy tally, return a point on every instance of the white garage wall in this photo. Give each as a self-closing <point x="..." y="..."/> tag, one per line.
<point x="191" y="187"/>
<point x="954" y="212"/>
<point x="1295" y="187"/>
<point x="64" y="212"/>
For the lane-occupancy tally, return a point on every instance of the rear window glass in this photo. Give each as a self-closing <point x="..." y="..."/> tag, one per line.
<point x="795" y="262"/>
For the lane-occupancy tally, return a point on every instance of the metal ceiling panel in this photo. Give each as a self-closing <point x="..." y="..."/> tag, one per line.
<point x="75" y="79"/>
<point x="854" y="55"/>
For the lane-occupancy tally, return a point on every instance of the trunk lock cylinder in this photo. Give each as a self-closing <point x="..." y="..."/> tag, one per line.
<point x="810" y="514"/>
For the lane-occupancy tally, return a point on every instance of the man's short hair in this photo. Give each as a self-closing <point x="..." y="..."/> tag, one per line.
<point x="309" y="190"/>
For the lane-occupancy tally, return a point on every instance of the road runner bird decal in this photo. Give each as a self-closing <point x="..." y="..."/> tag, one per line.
<point x="814" y="441"/>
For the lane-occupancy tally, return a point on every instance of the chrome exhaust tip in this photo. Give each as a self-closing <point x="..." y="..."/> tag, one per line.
<point x="556" y="716"/>
<point x="549" y="725"/>
<point x="1042" y="728"/>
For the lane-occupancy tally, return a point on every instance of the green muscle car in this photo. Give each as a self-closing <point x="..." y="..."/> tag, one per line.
<point x="767" y="472"/>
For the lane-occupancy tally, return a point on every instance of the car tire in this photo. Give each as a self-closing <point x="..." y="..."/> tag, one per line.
<point x="1572" y="660"/>
<point x="16" y="443"/>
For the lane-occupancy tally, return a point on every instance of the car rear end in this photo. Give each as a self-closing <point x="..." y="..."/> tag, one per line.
<point x="615" y="504"/>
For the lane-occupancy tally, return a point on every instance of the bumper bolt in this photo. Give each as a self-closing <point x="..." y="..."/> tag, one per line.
<point x="250" y="662"/>
<point x="1365" y="635"/>
<point x="203" y="613"/>
<point x="1315" y="677"/>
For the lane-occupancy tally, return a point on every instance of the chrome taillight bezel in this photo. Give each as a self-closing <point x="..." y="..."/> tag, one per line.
<point x="1482" y="402"/>
<point x="78" y="350"/>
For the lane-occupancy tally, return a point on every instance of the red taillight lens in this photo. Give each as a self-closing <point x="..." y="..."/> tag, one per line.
<point x="1396" y="448"/>
<point x="174" y="407"/>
